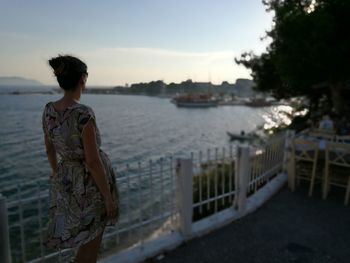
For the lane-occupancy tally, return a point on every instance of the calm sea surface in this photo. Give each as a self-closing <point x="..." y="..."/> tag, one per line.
<point x="133" y="128"/>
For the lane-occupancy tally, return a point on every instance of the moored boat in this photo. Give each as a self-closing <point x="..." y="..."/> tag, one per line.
<point x="195" y="101"/>
<point x="240" y="137"/>
<point x="258" y="102"/>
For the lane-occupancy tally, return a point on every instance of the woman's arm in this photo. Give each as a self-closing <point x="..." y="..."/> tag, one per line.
<point x="95" y="166"/>
<point x="51" y="155"/>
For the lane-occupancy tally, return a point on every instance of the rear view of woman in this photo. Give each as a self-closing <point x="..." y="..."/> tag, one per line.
<point x="83" y="191"/>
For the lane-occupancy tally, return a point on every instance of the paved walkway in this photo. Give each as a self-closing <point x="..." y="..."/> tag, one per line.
<point x="291" y="227"/>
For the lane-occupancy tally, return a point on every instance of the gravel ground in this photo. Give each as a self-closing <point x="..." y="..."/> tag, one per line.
<point x="291" y="227"/>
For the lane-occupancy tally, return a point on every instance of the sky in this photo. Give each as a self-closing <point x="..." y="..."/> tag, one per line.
<point x="131" y="41"/>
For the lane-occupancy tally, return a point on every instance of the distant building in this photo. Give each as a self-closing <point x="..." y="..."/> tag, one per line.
<point x="242" y="88"/>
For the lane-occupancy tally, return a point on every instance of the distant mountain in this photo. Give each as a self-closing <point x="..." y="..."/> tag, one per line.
<point x="18" y="81"/>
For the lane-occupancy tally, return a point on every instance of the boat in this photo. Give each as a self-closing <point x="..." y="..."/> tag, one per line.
<point x="195" y="101"/>
<point x="258" y="102"/>
<point x="241" y="137"/>
<point x="197" y="104"/>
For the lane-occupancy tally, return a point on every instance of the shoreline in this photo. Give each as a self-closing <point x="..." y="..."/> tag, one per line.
<point x="160" y="96"/>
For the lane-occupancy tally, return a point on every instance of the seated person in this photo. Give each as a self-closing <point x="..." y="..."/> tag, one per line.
<point x="326" y="123"/>
<point x="343" y="127"/>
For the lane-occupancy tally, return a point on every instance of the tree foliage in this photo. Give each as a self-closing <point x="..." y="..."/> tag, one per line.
<point x="309" y="51"/>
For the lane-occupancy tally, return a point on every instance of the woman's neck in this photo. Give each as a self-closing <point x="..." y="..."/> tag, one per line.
<point x="71" y="96"/>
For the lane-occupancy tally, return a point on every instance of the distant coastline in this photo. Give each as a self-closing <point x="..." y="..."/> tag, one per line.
<point x="241" y="88"/>
<point x="15" y="81"/>
<point x="28" y="93"/>
<point x="26" y="89"/>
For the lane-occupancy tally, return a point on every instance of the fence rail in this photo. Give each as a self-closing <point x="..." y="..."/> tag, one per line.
<point x="158" y="199"/>
<point x="267" y="162"/>
<point x="214" y="187"/>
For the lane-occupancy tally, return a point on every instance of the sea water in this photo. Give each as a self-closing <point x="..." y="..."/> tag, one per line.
<point x="133" y="128"/>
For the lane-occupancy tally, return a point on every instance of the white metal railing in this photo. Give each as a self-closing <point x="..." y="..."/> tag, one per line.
<point x="139" y="219"/>
<point x="158" y="198"/>
<point x="214" y="186"/>
<point x="26" y="218"/>
<point x="266" y="163"/>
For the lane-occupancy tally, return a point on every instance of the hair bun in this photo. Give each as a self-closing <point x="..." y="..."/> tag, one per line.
<point x="59" y="70"/>
<point x="57" y="64"/>
<point x="68" y="70"/>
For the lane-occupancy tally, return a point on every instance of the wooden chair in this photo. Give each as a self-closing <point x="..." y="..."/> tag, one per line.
<point x="305" y="155"/>
<point x="328" y="135"/>
<point x="343" y="138"/>
<point x="337" y="168"/>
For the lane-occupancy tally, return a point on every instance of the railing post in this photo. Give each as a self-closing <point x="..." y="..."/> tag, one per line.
<point x="5" y="253"/>
<point x="288" y="161"/>
<point x="185" y="195"/>
<point x="243" y="162"/>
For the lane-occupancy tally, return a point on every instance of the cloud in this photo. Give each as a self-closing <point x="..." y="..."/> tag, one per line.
<point x="140" y="64"/>
<point x="120" y="65"/>
<point x="156" y="52"/>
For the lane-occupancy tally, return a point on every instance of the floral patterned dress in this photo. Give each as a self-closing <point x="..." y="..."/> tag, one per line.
<point x="76" y="211"/>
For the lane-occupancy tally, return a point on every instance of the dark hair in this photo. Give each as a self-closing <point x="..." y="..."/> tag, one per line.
<point x="68" y="70"/>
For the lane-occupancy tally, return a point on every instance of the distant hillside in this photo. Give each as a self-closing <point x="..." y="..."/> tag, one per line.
<point x="18" y="81"/>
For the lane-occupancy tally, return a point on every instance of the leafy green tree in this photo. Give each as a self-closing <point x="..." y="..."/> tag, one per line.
<point x="309" y="52"/>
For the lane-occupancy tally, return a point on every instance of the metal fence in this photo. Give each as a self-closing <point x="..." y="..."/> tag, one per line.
<point x="214" y="181"/>
<point x="147" y="210"/>
<point x="158" y="198"/>
<point x="266" y="163"/>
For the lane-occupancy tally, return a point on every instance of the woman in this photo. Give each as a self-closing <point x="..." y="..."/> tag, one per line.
<point x="326" y="123"/>
<point x="83" y="194"/>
